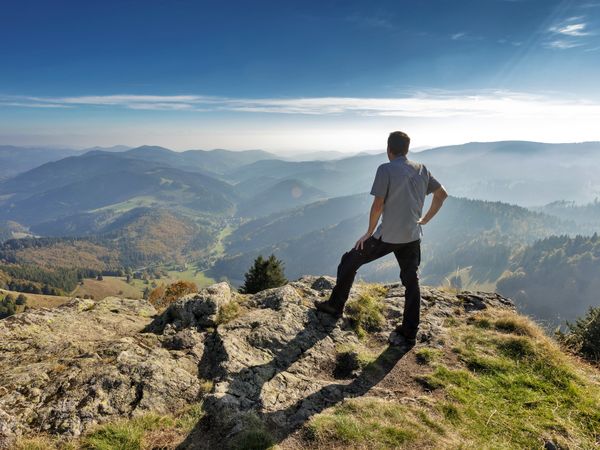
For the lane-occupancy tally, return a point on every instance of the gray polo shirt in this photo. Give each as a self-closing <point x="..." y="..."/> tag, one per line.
<point x="404" y="185"/>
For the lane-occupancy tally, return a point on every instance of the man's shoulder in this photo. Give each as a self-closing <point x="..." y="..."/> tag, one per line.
<point x="415" y="164"/>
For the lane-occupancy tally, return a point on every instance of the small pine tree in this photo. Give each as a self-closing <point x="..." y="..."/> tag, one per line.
<point x="264" y="274"/>
<point x="21" y="300"/>
<point x="583" y="336"/>
<point x="7" y="306"/>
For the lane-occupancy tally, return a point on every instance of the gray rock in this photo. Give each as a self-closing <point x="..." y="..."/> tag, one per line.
<point x="69" y="368"/>
<point x="199" y="310"/>
<point x="9" y="431"/>
<point x="323" y="283"/>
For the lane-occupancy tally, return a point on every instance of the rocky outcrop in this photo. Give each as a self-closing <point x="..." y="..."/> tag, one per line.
<point x="65" y="369"/>
<point x="87" y="362"/>
<point x="194" y="311"/>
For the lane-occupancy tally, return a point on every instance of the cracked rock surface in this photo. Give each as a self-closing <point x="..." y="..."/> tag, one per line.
<point x="66" y="369"/>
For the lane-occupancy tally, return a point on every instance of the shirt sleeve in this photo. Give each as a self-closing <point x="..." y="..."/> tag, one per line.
<point x="381" y="182"/>
<point x="432" y="183"/>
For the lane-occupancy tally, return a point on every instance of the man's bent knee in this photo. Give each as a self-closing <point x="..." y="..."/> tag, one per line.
<point x="409" y="278"/>
<point x="350" y="261"/>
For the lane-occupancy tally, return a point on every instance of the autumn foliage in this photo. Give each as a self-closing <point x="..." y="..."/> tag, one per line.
<point x="162" y="296"/>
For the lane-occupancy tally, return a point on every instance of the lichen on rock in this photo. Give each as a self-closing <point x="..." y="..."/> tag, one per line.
<point x="67" y="369"/>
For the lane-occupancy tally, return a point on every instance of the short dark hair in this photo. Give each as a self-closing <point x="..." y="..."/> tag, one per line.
<point x="398" y="143"/>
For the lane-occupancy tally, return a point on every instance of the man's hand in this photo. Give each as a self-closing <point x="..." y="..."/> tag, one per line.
<point x="439" y="195"/>
<point x="361" y="241"/>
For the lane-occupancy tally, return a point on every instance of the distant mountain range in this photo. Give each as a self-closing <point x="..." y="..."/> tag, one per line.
<point x="219" y="209"/>
<point x="15" y="160"/>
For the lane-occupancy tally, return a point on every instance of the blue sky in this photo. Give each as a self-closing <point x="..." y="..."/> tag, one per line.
<point x="298" y="75"/>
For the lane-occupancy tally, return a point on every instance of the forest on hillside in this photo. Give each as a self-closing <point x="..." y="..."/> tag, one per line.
<point x="556" y="278"/>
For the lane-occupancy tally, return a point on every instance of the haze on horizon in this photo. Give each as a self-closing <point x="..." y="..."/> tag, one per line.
<point x="306" y="76"/>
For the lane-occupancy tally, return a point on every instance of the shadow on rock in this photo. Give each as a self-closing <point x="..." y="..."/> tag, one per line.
<point x="292" y="418"/>
<point x="232" y="412"/>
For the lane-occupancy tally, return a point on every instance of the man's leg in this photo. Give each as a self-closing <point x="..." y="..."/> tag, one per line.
<point x="409" y="258"/>
<point x="351" y="261"/>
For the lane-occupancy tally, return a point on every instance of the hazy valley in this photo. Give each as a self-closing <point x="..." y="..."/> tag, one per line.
<point x="206" y="215"/>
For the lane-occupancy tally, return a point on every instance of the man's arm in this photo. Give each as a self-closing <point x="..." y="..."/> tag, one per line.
<point x="439" y="195"/>
<point x="374" y="215"/>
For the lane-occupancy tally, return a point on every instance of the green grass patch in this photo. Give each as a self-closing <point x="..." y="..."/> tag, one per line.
<point x="371" y="423"/>
<point x="351" y="358"/>
<point x="143" y="432"/>
<point x="365" y="314"/>
<point x="427" y="355"/>
<point x="192" y="274"/>
<point x="254" y="435"/>
<point x="125" y="434"/>
<point x="517" y="389"/>
<point x="228" y="312"/>
<point x="44" y="442"/>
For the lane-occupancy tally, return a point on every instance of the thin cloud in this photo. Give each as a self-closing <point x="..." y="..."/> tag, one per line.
<point x="570" y="33"/>
<point x="370" y="22"/>
<point x="418" y="105"/>
<point x="562" y="44"/>
<point x="458" y="36"/>
<point x="573" y="29"/>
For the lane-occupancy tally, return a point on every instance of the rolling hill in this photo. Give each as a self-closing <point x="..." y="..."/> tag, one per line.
<point x="313" y="237"/>
<point x="15" y="160"/>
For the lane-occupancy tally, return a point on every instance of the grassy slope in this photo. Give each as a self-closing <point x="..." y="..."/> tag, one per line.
<point x="109" y="286"/>
<point x="501" y="383"/>
<point x="38" y="300"/>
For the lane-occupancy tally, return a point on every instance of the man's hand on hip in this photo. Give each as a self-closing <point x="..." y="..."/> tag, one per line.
<point x="361" y="241"/>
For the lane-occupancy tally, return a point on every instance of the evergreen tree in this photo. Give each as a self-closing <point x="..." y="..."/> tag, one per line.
<point x="264" y="274"/>
<point x="7" y="306"/>
<point x="583" y="336"/>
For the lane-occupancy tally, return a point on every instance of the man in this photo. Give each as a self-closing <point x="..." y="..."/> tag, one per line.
<point x="399" y="191"/>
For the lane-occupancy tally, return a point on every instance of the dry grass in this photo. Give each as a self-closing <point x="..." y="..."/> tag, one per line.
<point x="39" y="300"/>
<point x="108" y="287"/>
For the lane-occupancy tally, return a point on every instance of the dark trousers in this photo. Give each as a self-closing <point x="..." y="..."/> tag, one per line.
<point x="408" y="256"/>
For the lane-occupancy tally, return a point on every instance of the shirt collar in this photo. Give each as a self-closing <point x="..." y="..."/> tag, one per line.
<point x="399" y="158"/>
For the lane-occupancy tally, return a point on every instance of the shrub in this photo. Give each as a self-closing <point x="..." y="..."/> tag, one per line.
<point x="583" y="337"/>
<point x="162" y="296"/>
<point x="7" y="306"/>
<point x="21" y="300"/>
<point x="264" y="274"/>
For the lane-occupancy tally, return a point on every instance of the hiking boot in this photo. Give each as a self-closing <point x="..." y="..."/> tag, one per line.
<point x="399" y="339"/>
<point x="328" y="308"/>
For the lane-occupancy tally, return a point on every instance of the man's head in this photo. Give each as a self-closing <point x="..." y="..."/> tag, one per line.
<point x="397" y="144"/>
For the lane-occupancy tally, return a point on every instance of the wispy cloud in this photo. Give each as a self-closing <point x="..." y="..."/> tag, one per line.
<point x="562" y="44"/>
<point x="510" y="42"/>
<point x="370" y="21"/>
<point x="458" y="36"/>
<point x="573" y="29"/>
<point x="32" y="105"/>
<point x="570" y="33"/>
<point x="418" y="105"/>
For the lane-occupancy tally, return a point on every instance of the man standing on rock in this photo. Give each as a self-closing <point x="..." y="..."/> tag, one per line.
<point x="399" y="191"/>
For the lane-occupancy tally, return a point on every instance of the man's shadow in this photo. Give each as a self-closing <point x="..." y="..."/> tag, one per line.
<point x="250" y="382"/>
